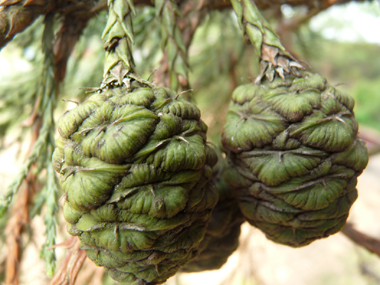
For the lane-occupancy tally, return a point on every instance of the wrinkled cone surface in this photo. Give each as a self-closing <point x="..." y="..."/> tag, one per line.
<point x="296" y="157"/>
<point x="135" y="169"/>
<point x="223" y="231"/>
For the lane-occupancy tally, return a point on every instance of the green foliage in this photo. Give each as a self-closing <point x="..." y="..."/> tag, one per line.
<point x="44" y="95"/>
<point x="219" y="62"/>
<point x="18" y="89"/>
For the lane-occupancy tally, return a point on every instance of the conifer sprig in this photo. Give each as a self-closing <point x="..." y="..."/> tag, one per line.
<point x="38" y="159"/>
<point x="274" y="59"/>
<point x="50" y="196"/>
<point x="118" y="39"/>
<point x="172" y="43"/>
<point x="47" y="95"/>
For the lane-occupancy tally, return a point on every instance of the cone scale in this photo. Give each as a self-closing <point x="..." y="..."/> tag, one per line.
<point x="223" y="231"/>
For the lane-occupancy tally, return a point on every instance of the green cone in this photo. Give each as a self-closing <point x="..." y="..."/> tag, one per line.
<point x="135" y="170"/>
<point x="223" y="231"/>
<point x="297" y="156"/>
<point x="293" y="140"/>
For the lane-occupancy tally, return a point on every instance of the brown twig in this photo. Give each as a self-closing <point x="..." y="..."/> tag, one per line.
<point x="243" y="267"/>
<point x="232" y="72"/>
<point x="69" y="243"/>
<point x="17" y="15"/>
<point x="371" y="138"/>
<point x="193" y="13"/>
<point x="66" y="38"/>
<point x="369" y="243"/>
<point x="75" y="19"/>
<point x="20" y="216"/>
<point x="70" y="266"/>
<point x="91" y="274"/>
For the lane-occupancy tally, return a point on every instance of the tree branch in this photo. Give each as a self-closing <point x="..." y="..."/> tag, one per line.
<point x="369" y="243"/>
<point x="16" y="16"/>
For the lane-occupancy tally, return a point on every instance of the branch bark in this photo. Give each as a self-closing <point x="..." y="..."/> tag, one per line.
<point x="17" y="15"/>
<point x="369" y="243"/>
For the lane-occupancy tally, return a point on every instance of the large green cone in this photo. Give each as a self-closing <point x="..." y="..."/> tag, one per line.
<point x="135" y="169"/>
<point x="223" y="231"/>
<point x="297" y="156"/>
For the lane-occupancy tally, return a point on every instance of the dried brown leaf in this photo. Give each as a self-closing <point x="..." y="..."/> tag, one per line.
<point x="70" y="266"/>
<point x="284" y="63"/>
<point x="269" y="53"/>
<point x="20" y="216"/>
<point x="280" y="72"/>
